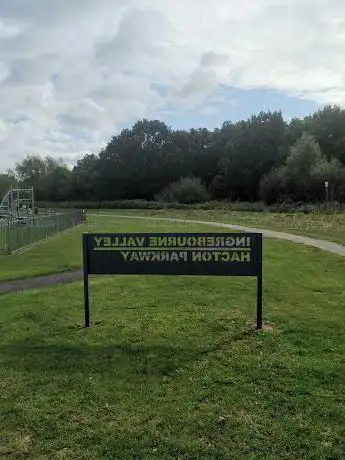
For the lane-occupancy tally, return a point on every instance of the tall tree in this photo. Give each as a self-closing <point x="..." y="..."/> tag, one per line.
<point x="6" y="181"/>
<point x="29" y="170"/>
<point x="328" y="128"/>
<point x="134" y="164"/>
<point x="263" y="154"/>
<point x="252" y="148"/>
<point x="85" y="180"/>
<point x="303" y="175"/>
<point x="49" y="176"/>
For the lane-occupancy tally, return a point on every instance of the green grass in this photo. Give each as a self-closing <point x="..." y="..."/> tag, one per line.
<point x="63" y="252"/>
<point x="173" y="369"/>
<point x="59" y="253"/>
<point x="323" y="226"/>
<point x="318" y="225"/>
<point x="14" y="238"/>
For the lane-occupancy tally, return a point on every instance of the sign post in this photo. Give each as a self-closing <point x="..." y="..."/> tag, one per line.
<point x="86" y="282"/>
<point x="207" y="254"/>
<point x="326" y="193"/>
<point x="259" y="286"/>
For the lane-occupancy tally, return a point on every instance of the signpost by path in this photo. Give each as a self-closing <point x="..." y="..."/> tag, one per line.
<point x="207" y="254"/>
<point x="326" y="192"/>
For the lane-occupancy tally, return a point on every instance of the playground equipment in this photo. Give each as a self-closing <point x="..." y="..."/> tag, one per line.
<point x="20" y="226"/>
<point x="17" y="204"/>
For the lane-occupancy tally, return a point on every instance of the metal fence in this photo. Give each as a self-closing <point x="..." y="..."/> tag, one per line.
<point x="16" y="234"/>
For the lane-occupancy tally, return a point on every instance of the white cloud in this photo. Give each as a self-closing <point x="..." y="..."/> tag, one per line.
<point x="71" y="71"/>
<point x="208" y="110"/>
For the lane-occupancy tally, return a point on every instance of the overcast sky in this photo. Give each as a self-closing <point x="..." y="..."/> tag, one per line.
<point x="75" y="72"/>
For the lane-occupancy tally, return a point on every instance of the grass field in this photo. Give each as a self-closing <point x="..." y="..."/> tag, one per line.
<point x="15" y="237"/>
<point x="318" y="225"/>
<point x="323" y="226"/>
<point x="63" y="252"/>
<point x="173" y="368"/>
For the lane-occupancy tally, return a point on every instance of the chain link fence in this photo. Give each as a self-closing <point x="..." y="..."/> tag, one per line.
<point x="17" y="233"/>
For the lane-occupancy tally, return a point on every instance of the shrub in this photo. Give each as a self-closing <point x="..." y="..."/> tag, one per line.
<point x="286" y="206"/>
<point x="272" y="187"/>
<point x="188" y="190"/>
<point x="117" y="204"/>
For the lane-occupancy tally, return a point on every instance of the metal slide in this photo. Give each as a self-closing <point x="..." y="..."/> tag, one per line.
<point x="5" y="205"/>
<point x="16" y="202"/>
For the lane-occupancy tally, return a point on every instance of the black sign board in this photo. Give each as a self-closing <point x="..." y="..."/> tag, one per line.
<point x="208" y="254"/>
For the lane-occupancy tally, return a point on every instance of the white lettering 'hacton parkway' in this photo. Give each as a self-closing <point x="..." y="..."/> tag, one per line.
<point x="186" y="256"/>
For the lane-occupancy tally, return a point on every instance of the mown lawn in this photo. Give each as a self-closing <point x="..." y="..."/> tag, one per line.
<point x="63" y="252"/>
<point x="317" y="225"/>
<point x="323" y="226"/>
<point x="173" y="368"/>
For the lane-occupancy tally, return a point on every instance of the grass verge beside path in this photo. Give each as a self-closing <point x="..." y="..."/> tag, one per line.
<point x="57" y="254"/>
<point x="63" y="252"/>
<point x="174" y="368"/>
<point x="329" y="227"/>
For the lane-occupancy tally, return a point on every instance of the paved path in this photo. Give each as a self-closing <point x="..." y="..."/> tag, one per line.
<point x="320" y="244"/>
<point x="40" y="281"/>
<point x="76" y="275"/>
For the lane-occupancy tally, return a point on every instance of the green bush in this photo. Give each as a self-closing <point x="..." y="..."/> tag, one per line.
<point x="303" y="178"/>
<point x="117" y="204"/>
<point x="295" y="207"/>
<point x="272" y="187"/>
<point x="188" y="190"/>
<point x="286" y="206"/>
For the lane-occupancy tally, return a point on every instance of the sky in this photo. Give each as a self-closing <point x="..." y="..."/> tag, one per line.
<point x="75" y="72"/>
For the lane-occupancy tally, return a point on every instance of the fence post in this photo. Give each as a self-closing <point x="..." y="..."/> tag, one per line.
<point x="3" y="240"/>
<point x="7" y="237"/>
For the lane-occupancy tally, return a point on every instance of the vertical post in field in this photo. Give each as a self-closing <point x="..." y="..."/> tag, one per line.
<point x="7" y="237"/>
<point x="86" y="281"/>
<point x="326" y="193"/>
<point x="33" y="204"/>
<point x="259" y="285"/>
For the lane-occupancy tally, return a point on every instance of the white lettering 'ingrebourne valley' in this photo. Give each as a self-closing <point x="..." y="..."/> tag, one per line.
<point x="178" y="242"/>
<point x="125" y="242"/>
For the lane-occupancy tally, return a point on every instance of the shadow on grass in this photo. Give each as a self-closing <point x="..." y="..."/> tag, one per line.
<point x="145" y="359"/>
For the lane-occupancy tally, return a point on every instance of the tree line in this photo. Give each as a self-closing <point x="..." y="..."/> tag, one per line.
<point x="261" y="158"/>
